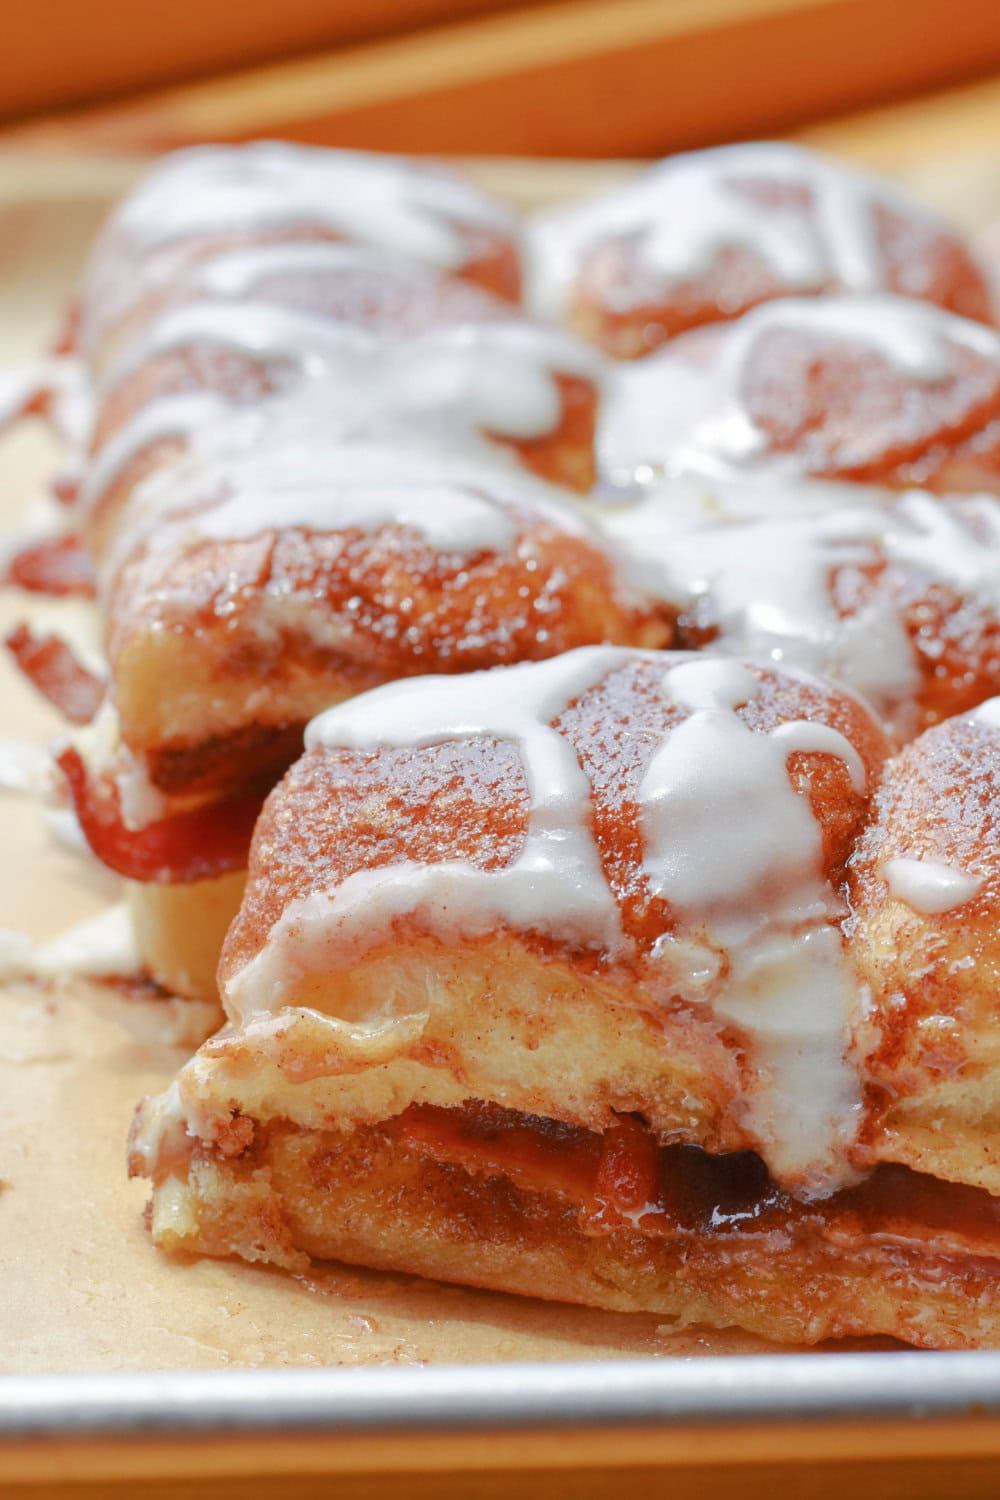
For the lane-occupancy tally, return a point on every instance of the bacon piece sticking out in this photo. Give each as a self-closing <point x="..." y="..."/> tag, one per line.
<point x="615" y="1174"/>
<point x="197" y="844"/>
<point x="67" y="339"/>
<point x="59" y="565"/>
<point x="49" y="663"/>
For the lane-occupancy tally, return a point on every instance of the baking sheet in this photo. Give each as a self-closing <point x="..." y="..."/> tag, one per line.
<point x="84" y="1292"/>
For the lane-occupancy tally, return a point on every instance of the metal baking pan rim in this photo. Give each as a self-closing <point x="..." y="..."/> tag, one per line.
<point x="723" y="1390"/>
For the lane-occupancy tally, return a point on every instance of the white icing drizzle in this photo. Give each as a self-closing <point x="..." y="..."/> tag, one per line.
<point x="733" y="848"/>
<point x="457" y="507"/>
<point x="956" y="542"/>
<point x="688" y="209"/>
<point x="446" y="390"/>
<point x="811" y="738"/>
<point x="667" y="414"/>
<point x="236" y="273"/>
<point x="450" y="518"/>
<point x="371" y="198"/>
<point x="738" y="855"/>
<point x="987" y="714"/>
<point x="928" y="886"/>
<point x="64" y="380"/>
<point x="555" y="885"/>
<point x="176" y="416"/>
<point x="759" y="557"/>
<point x="260" y="330"/>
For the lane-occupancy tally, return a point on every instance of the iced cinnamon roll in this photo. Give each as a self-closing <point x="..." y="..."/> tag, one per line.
<point x="705" y="237"/>
<point x="880" y="390"/>
<point x="197" y="203"/>
<point x="336" y="341"/>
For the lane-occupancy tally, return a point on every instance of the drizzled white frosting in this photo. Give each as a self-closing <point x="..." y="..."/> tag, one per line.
<point x="555" y="885"/>
<point x="375" y="199"/>
<point x="758" y="559"/>
<point x="456" y="507"/>
<point x="450" y="518"/>
<point x="445" y="390"/>
<point x="236" y="273"/>
<point x="176" y="416"/>
<point x="688" y="209"/>
<point x="737" y="854"/>
<point x="928" y="886"/>
<point x="732" y="847"/>
<point x="260" y="330"/>
<point x="987" y="713"/>
<point x="668" y="414"/>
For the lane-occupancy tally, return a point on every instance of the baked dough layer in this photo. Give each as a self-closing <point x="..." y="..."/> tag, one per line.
<point x="356" y="1196"/>
<point x="179" y="930"/>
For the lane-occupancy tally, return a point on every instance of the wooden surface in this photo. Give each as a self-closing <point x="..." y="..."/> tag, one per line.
<point x="569" y="78"/>
<point x="63" y="52"/>
<point x="918" y="1461"/>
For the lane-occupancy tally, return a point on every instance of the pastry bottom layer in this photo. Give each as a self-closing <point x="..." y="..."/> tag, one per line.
<point x="365" y="1197"/>
<point x="179" y="930"/>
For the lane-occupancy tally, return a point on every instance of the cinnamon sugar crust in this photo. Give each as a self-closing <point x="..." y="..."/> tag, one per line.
<point x="285" y="623"/>
<point x="847" y="414"/>
<point x="461" y="800"/>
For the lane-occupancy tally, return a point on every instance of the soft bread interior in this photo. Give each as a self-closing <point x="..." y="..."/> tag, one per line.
<point x="179" y="930"/>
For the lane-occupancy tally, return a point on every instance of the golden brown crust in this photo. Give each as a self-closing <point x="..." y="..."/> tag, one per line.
<point x="219" y="635"/>
<point x="934" y="1067"/>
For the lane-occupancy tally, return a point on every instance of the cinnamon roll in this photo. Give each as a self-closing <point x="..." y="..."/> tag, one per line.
<point x="705" y="237"/>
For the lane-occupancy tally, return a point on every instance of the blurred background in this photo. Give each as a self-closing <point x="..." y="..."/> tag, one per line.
<point x="563" y="78"/>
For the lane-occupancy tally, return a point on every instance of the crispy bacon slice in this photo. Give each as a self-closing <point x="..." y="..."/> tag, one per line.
<point x="625" y="1175"/>
<point x="67" y="336"/>
<point x="59" y="565"/>
<point x="615" y="1174"/>
<point x="49" y="663"/>
<point x="193" y="845"/>
<point x="65" y="489"/>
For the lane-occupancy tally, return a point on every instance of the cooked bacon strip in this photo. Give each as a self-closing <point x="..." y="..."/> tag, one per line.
<point x="66" y="340"/>
<point x="665" y="1190"/>
<point x="194" y="845"/>
<point x="59" y="565"/>
<point x="50" y="665"/>
<point x="615" y="1175"/>
<point x="65" y="488"/>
